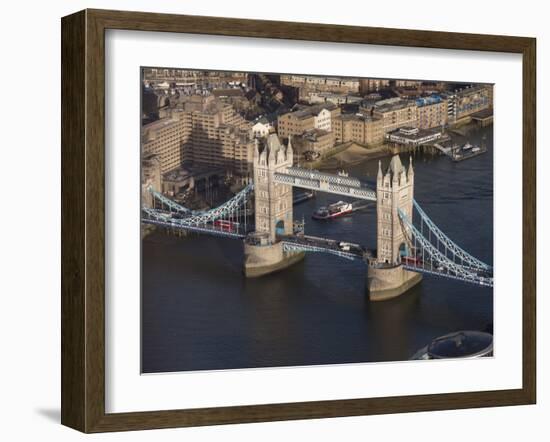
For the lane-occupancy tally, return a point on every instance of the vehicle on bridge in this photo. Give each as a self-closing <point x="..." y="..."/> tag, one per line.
<point x="411" y="260"/>
<point x="345" y="246"/>
<point x="226" y="225"/>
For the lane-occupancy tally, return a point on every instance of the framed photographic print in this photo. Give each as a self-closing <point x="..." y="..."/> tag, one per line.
<point x="270" y="220"/>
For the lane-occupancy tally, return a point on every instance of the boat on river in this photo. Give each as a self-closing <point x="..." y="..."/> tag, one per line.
<point x="331" y="211"/>
<point x="302" y="197"/>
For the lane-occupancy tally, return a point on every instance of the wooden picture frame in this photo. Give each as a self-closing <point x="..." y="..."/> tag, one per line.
<point x="83" y="219"/>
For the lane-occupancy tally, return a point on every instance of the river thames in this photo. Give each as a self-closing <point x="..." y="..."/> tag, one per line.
<point x="200" y="313"/>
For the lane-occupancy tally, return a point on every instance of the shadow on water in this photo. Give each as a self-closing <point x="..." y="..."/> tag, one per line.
<point x="390" y="321"/>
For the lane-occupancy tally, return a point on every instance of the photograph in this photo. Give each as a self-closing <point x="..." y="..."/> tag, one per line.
<point x="295" y="220"/>
<point x="270" y="222"/>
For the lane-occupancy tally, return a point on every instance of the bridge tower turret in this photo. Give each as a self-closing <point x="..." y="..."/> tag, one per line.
<point x="394" y="190"/>
<point x="273" y="201"/>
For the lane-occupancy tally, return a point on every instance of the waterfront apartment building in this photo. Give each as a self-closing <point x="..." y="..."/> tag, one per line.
<point x="431" y="112"/>
<point x="359" y="128"/>
<point x="205" y="132"/>
<point x="395" y="113"/>
<point x="308" y="117"/>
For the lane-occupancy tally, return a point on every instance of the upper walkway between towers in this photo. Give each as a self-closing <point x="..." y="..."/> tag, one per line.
<point x="339" y="184"/>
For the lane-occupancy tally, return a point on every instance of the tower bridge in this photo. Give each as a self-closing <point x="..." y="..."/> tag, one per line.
<point x="405" y="250"/>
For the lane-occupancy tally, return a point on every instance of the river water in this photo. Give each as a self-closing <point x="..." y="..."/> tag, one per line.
<point x="200" y="313"/>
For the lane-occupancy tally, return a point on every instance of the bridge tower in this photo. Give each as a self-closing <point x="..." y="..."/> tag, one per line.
<point x="272" y="201"/>
<point x="272" y="210"/>
<point x="394" y="191"/>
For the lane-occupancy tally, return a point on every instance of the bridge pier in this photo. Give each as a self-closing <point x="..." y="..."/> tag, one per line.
<point x="262" y="257"/>
<point x="389" y="282"/>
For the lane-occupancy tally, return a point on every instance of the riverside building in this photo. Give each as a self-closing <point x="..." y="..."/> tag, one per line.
<point x="359" y="128"/>
<point x="305" y="118"/>
<point x="395" y="113"/>
<point x="431" y="112"/>
<point x="205" y="132"/>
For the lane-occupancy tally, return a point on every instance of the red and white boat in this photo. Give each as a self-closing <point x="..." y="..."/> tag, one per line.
<point x="333" y="211"/>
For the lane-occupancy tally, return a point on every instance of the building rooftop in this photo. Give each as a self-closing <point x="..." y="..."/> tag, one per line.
<point x="471" y="90"/>
<point x="409" y="130"/>
<point x="304" y="112"/>
<point x="265" y="119"/>
<point x="393" y="106"/>
<point x="163" y="122"/>
<point x="432" y="99"/>
<point x="314" y="134"/>
<point x="413" y="133"/>
<point x="358" y="116"/>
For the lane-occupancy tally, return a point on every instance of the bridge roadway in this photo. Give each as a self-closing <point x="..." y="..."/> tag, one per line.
<point x="462" y="266"/>
<point x="291" y="243"/>
<point x="304" y="243"/>
<point x="209" y="229"/>
<point x="326" y="182"/>
<point x="346" y="250"/>
<point x="480" y="278"/>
